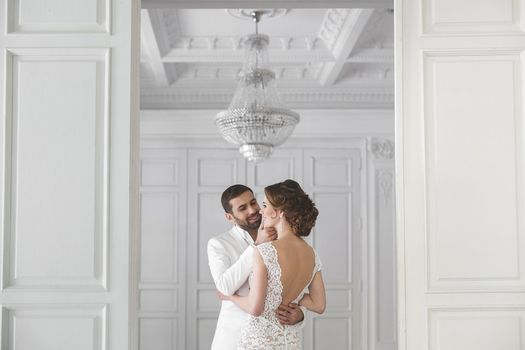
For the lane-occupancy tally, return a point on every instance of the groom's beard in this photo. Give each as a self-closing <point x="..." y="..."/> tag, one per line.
<point x="252" y="222"/>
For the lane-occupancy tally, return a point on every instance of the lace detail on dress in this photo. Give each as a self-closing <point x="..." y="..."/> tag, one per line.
<point x="265" y="332"/>
<point x="275" y="287"/>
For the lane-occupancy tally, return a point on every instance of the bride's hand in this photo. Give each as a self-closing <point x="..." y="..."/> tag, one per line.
<point x="222" y="296"/>
<point x="289" y="314"/>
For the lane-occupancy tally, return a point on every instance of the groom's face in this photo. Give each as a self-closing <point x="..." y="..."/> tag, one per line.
<point x="245" y="211"/>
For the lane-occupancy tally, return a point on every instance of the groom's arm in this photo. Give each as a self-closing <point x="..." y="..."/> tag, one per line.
<point x="228" y="275"/>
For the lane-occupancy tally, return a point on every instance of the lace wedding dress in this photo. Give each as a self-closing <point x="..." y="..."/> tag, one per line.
<point x="264" y="332"/>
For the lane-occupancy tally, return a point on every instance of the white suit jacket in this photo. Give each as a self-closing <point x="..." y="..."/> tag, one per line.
<point x="230" y="256"/>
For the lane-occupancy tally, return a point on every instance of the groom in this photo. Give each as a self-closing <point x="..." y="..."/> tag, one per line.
<point x="230" y="256"/>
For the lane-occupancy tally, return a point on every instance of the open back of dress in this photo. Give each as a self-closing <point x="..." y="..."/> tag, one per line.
<point x="265" y="331"/>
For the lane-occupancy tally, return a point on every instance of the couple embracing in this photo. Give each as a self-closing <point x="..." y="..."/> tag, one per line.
<point x="266" y="274"/>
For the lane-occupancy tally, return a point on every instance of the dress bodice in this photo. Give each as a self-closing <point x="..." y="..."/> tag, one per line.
<point x="265" y="331"/>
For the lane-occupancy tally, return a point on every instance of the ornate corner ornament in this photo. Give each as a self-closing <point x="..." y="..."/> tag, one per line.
<point x="385" y="180"/>
<point x="381" y="149"/>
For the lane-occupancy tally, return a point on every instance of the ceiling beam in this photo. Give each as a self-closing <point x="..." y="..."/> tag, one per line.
<point x="231" y="56"/>
<point x="373" y="56"/>
<point x="154" y="47"/>
<point x="345" y="43"/>
<point x="209" y="4"/>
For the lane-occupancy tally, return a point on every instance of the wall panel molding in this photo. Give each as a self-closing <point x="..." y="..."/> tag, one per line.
<point x="159" y="237"/>
<point x="155" y="172"/>
<point x="72" y="16"/>
<point x="490" y="16"/>
<point x="337" y="329"/>
<point x="483" y="328"/>
<point x="159" y="333"/>
<point x="339" y="223"/>
<point x="162" y="308"/>
<point x="483" y="242"/>
<point x="158" y="300"/>
<point x="60" y="327"/>
<point x="35" y="145"/>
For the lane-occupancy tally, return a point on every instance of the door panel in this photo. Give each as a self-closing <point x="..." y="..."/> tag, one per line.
<point x="460" y="174"/>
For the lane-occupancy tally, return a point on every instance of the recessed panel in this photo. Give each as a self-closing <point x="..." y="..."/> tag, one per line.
<point x="55" y="16"/>
<point x="338" y="300"/>
<point x="273" y="170"/>
<point x="207" y="301"/>
<point x="158" y="300"/>
<point x="472" y="16"/>
<point x="337" y="329"/>
<point x="58" y="328"/>
<point x="158" y="333"/>
<point x="385" y="274"/>
<point x="56" y="158"/>
<point x="159" y="173"/>
<point x="332" y="236"/>
<point x="476" y="330"/>
<point x="332" y="172"/>
<point x="205" y="332"/>
<point x="211" y="222"/>
<point x="217" y="172"/>
<point x="159" y="237"/>
<point x="474" y="243"/>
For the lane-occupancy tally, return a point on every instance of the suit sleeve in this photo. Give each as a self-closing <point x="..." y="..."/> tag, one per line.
<point x="228" y="275"/>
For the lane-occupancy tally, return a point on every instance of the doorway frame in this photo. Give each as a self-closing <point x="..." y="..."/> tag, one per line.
<point x="398" y="136"/>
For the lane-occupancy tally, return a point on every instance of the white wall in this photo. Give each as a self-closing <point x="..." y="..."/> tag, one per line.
<point x="67" y="194"/>
<point x="459" y="124"/>
<point x="343" y="159"/>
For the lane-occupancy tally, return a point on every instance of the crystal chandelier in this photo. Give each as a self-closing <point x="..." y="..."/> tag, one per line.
<point x="256" y="120"/>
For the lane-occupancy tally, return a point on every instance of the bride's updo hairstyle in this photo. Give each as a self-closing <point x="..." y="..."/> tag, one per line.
<point x="298" y="208"/>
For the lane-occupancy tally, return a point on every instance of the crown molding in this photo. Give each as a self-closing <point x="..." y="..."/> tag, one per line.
<point x="319" y="123"/>
<point x="292" y="98"/>
<point x="228" y="74"/>
<point x="217" y="54"/>
<point x="203" y="4"/>
<point x="181" y="44"/>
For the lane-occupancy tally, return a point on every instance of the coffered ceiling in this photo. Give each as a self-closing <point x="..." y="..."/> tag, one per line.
<point x="322" y="58"/>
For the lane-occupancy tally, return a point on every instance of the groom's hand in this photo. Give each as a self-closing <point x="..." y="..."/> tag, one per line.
<point x="289" y="314"/>
<point x="265" y="234"/>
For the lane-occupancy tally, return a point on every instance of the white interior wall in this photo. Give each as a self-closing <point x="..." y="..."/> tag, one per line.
<point x="344" y="159"/>
<point x="69" y="113"/>
<point x="460" y="199"/>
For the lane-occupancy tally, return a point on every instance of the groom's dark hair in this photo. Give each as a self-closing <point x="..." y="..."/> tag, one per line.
<point x="232" y="192"/>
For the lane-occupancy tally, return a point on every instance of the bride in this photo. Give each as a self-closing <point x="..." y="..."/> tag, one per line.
<point x="285" y="271"/>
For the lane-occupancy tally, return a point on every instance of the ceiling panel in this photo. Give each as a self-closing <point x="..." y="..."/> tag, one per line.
<point x="191" y="58"/>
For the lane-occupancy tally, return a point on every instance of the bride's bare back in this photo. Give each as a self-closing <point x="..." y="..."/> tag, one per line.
<point x="297" y="261"/>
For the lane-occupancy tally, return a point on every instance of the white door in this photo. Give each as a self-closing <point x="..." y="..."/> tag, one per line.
<point x="67" y="199"/>
<point x="460" y="174"/>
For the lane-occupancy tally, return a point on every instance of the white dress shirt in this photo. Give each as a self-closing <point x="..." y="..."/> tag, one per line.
<point x="230" y="256"/>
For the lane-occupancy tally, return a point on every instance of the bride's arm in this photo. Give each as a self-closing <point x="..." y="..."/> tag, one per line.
<point x="253" y="303"/>
<point x="315" y="299"/>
